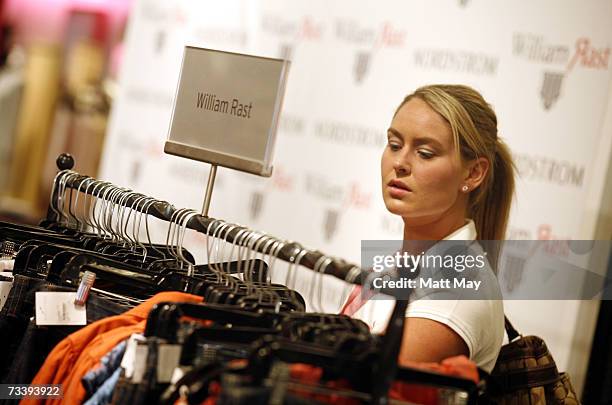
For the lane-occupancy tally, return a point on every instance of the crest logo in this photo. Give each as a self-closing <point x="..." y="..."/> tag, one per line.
<point x="331" y="224"/>
<point x="135" y="171"/>
<point x="361" y="66"/>
<point x="160" y="41"/>
<point x="551" y="88"/>
<point x="256" y="204"/>
<point x="512" y="274"/>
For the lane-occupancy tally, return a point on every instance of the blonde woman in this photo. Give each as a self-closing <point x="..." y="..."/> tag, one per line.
<point x="446" y="172"/>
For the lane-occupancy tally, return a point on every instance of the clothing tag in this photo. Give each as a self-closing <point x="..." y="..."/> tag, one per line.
<point x="87" y="281"/>
<point x="5" y="288"/>
<point x="168" y="358"/>
<point x="6" y="264"/>
<point x="57" y="308"/>
<point x="140" y="362"/>
<point x="129" y="358"/>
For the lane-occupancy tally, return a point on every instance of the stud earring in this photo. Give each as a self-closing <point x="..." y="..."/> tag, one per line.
<point x="464" y="189"/>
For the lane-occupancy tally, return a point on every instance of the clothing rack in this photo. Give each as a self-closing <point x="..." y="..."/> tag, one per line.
<point x="289" y="251"/>
<point x="386" y="365"/>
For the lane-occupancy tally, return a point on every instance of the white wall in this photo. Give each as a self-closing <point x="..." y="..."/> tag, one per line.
<point x="352" y="63"/>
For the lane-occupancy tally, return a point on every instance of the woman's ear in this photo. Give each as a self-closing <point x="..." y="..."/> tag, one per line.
<point x="477" y="170"/>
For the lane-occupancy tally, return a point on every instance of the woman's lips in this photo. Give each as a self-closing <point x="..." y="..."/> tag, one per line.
<point x="398" y="189"/>
<point x="397" y="192"/>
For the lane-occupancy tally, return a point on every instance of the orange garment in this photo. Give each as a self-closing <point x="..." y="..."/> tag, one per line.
<point x="457" y="366"/>
<point x="74" y="356"/>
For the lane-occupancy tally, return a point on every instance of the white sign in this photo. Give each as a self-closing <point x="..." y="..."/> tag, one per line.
<point x="227" y="108"/>
<point x="58" y="308"/>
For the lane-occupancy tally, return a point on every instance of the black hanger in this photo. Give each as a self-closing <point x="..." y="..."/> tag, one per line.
<point x="163" y="321"/>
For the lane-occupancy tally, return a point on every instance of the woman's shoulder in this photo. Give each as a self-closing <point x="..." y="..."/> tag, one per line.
<point x="480" y="323"/>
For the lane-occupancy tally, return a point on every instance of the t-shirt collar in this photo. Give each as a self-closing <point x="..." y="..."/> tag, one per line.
<point x="466" y="232"/>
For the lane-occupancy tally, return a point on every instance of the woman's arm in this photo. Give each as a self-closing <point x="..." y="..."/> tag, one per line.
<point x="426" y="340"/>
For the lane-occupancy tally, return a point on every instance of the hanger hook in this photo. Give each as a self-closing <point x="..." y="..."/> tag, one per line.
<point x="313" y="281"/>
<point x="92" y="207"/>
<point x="59" y="204"/>
<point x="242" y="240"/>
<point x="53" y="198"/>
<point x="109" y="212"/>
<point x="99" y="204"/>
<point x="70" y="201"/>
<point x="146" y="208"/>
<point x="236" y="243"/>
<point x="170" y="233"/>
<point x="292" y="257"/>
<point x="263" y="238"/>
<point x="126" y="214"/>
<point x="188" y="216"/>
<point x="76" y="202"/>
<point x="328" y="260"/>
<point x="86" y="207"/>
<point x="142" y="199"/>
<point x="132" y="209"/>
<point x="63" y="185"/>
<point x="209" y="260"/>
<point x="252" y="243"/>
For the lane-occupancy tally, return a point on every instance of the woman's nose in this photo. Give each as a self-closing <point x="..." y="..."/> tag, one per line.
<point x="401" y="167"/>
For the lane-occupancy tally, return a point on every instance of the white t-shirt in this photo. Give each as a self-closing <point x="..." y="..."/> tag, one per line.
<point x="480" y="323"/>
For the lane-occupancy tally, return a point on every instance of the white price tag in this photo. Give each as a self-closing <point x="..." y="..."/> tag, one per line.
<point x="58" y="308"/>
<point x="168" y="358"/>
<point x="5" y="289"/>
<point x="6" y="264"/>
<point x="129" y="358"/>
<point x="140" y="362"/>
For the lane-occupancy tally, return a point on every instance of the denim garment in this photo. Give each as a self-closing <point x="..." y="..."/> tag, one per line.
<point x="104" y="394"/>
<point x="95" y="378"/>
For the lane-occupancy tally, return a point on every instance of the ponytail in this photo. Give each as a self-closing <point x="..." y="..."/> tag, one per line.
<point x="492" y="213"/>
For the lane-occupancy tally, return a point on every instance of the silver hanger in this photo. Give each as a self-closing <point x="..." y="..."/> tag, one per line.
<point x="75" y="203"/>
<point x="62" y="204"/>
<point x="313" y="282"/>
<point x="147" y="206"/>
<point x="87" y="209"/>
<point x="54" y="202"/>
<point x="186" y="218"/>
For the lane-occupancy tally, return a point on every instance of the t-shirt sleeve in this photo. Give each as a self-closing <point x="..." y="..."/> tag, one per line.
<point x="448" y="313"/>
<point x="478" y="322"/>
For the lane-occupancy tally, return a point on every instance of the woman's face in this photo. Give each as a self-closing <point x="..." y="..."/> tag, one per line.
<point x="421" y="173"/>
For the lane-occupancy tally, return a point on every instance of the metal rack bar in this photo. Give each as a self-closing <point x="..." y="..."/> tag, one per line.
<point x="207" y="225"/>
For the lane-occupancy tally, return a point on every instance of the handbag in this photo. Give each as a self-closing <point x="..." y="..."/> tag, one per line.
<point x="526" y="373"/>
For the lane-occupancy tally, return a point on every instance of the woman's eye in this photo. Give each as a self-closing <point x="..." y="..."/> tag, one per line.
<point x="394" y="146"/>
<point x="425" y="154"/>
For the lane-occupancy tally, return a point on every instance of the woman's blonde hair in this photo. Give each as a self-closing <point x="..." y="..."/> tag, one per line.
<point x="474" y="126"/>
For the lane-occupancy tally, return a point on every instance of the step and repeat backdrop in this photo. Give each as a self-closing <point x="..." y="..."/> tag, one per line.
<point x="544" y="66"/>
